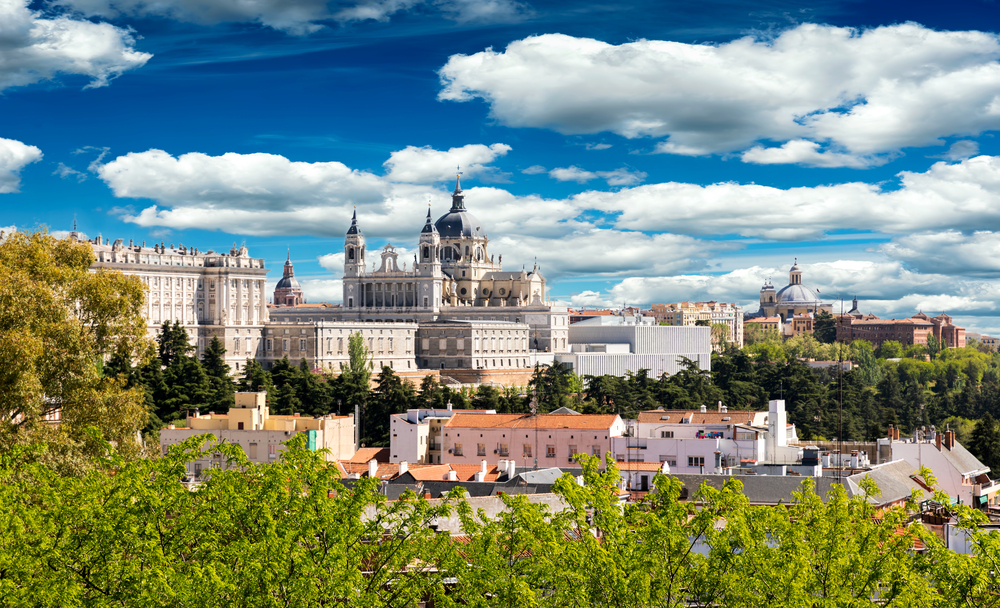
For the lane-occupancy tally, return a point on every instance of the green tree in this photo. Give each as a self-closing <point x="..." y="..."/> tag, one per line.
<point x="825" y="327"/>
<point x="985" y="442"/>
<point x="173" y="342"/>
<point x="256" y="379"/>
<point x="59" y="324"/>
<point x="890" y="349"/>
<point x="213" y="361"/>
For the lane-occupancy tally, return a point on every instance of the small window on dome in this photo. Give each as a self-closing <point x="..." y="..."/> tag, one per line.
<point x="463" y="291"/>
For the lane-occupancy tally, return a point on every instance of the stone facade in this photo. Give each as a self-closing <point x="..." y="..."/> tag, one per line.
<point x="792" y="299"/>
<point x="459" y="344"/>
<point x="687" y="314"/>
<point x="211" y="294"/>
<point x="324" y="343"/>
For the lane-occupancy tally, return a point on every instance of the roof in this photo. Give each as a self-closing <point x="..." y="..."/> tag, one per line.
<point x="439" y="472"/>
<point x="894" y="479"/>
<point x="698" y="417"/>
<point x="366" y="454"/>
<point x="458" y="222"/>
<point x="877" y="321"/>
<point x="963" y="460"/>
<point x="542" y="476"/>
<point x="763" y="320"/>
<point x="527" y="421"/>
<point x="288" y="282"/>
<point x="793" y="294"/>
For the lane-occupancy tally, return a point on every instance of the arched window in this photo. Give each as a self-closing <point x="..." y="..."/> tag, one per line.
<point x="350" y="253"/>
<point x="427" y="253"/>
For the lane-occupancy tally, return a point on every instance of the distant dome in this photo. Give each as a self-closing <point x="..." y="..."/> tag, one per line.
<point x="792" y="294"/>
<point x="287" y="283"/>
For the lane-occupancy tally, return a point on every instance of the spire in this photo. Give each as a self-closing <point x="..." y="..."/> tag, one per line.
<point x="354" y="224"/>
<point x="429" y="227"/>
<point x="457" y="198"/>
<point x="289" y="269"/>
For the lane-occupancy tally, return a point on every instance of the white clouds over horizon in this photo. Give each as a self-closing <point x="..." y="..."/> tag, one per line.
<point x="36" y="48"/>
<point x="426" y="165"/>
<point x="14" y="156"/>
<point x="828" y="96"/>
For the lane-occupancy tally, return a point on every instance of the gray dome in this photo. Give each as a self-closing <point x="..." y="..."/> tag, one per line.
<point x="459" y="223"/>
<point x="791" y="294"/>
<point x="286" y="283"/>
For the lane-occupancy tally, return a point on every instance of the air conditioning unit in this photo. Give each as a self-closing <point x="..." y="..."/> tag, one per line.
<point x="570" y="459"/>
<point x="450" y="451"/>
<point x="496" y="451"/>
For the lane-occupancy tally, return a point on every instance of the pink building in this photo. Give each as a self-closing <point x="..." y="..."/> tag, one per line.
<point x="545" y="440"/>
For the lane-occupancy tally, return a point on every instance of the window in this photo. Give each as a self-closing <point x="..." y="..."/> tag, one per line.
<point x="526" y="452"/>
<point x="480" y="449"/>
<point x="302" y="344"/>
<point x="458" y="449"/>
<point x="239" y="426"/>
<point x="666" y="434"/>
<point x="696" y="461"/>
<point x="550" y="451"/>
<point x="595" y="450"/>
<point x="253" y="451"/>
<point x="503" y="450"/>
<point x="572" y="452"/>
<point x="284" y="345"/>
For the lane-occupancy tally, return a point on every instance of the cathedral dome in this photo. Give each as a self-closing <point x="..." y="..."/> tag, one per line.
<point x="286" y="283"/>
<point x="791" y="294"/>
<point x="458" y="222"/>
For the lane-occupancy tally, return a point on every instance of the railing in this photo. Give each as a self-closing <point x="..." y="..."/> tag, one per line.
<point x="435" y="447"/>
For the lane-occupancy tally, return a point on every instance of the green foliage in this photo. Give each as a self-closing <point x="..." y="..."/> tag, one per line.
<point x="59" y="324"/>
<point x="219" y="376"/>
<point x="825" y="327"/>
<point x="985" y="442"/>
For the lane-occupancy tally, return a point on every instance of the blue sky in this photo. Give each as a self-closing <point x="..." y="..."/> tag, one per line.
<point x="640" y="151"/>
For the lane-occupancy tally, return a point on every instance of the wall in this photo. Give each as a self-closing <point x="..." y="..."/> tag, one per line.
<point x="588" y="441"/>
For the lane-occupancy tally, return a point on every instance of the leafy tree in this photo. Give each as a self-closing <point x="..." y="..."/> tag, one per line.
<point x="825" y="328"/>
<point x="933" y="346"/>
<point x="59" y="323"/>
<point x="173" y="342"/>
<point x="890" y="349"/>
<point x="392" y="395"/>
<point x="256" y="379"/>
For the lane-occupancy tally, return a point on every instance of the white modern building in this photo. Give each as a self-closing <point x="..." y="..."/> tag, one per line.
<point x="597" y="349"/>
<point x="716" y="441"/>
<point x="416" y="436"/>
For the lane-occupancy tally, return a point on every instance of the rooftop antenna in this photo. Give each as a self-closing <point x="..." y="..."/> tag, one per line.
<point x="74" y="222"/>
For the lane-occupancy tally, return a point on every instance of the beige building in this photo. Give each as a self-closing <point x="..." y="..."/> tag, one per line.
<point x="687" y="314"/>
<point x="460" y="344"/>
<point x="261" y="435"/>
<point x="211" y="294"/>
<point x="324" y="343"/>
<point x="792" y="299"/>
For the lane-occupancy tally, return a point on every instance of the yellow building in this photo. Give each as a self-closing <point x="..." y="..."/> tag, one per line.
<point x="262" y="436"/>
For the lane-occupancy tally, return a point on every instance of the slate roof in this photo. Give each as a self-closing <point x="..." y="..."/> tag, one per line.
<point x="894" y="479"/>
<point x="963" y="460"/>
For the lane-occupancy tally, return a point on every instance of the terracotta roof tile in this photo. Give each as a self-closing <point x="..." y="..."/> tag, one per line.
<point x="527" y="421"/>
<point x="366" y="454"/>
<point x="697" y="417"/>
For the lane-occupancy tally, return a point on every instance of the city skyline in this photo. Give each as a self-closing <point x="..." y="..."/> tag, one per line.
<point x="687" y="155"/>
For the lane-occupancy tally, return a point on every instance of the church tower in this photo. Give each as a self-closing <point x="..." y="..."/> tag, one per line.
<point x="795" y="275"/>
<point x="354" y="250"/>
<point x="288" y="292"/>
<point x="429" y="254"/>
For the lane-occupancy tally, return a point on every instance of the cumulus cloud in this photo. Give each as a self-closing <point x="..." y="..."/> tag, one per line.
<point x="37" y="48"/>
<point x="14" y="156"/>
<point x="334" y="262"/>
<point x="863" y="92"/>
<point x="425" y="164"/>
<point x="322" y="290"/>
<point x="618" y="177"/>
<point x="961" y="150"/>
<point x="804" y="152"/>
<point x="534" y="170"/>
<point x="951" y="252"/>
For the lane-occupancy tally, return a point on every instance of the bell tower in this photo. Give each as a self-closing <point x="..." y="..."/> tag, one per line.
<point x="354" y="249"/>
<point x="429" y="254"/>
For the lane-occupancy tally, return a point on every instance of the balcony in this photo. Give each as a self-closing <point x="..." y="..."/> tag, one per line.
<point x="434" y="447"/>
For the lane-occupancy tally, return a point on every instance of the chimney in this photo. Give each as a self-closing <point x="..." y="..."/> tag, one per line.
<point x="452" y="476"/>
<point x="720" y="406"/>
<point x="949" y="439"/>
<point x="484" y="467"/>
<point x="937" y="441"/>
<point x="372" y="467"/>
<point x="703" y="409"/>
<point x="511" y="469"/>
<point x="403" y="467"/>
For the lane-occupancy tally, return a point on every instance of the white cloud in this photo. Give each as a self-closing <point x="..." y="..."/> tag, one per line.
<point x="598" y="146"/>
<point x="618" y="177"/>
<point x="334" y="262"/>
<point x="961" y="150"/>
<point x="572" y="174"/>
<point x="590" y="299"/>
<point x="14" y="156"/>
<point x="804" y="152"/>
<point x="863" y="92"/>
<point x="951" y="252"/>
<point x="35" y="48"/>
<point x="425" y="165"/>
<point x="297" y="17"/>
<point x="5" y="231"/>
<point x="534" y="170"/>
<point x="64" y="171"/>
<point x="322" y="290"/>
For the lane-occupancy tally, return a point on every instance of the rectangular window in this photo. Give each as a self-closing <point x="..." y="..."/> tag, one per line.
<point x="526" y="452"/>
<point x="302" y="344"/>
<point x="572" y="452"/>
<point x="696" y="461"/>
<point x="595" y="450"/>
<point x="253" y="451"/>
<point x="550" y="451"/>
<point x="272" y="451"/>
<point x="458" y="449"/>
<point x="480" y="449"/>
<point x="239" y="426"/>
<point x="666" y="434"/>
<point x="503" y="450"/>
<point x="284" y="345"/>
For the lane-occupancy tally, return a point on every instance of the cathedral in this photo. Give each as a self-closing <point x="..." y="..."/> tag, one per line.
<point x="453" y="268"/>
<point x="792" y="299"/>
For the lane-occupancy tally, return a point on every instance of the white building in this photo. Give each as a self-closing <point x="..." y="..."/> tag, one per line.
<point x="715" y="441"/>
<point x="211" y="294"/>
<point x="960" y="474"/>
<point x="687" y="314"/>
<point x="598" y="349"/>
